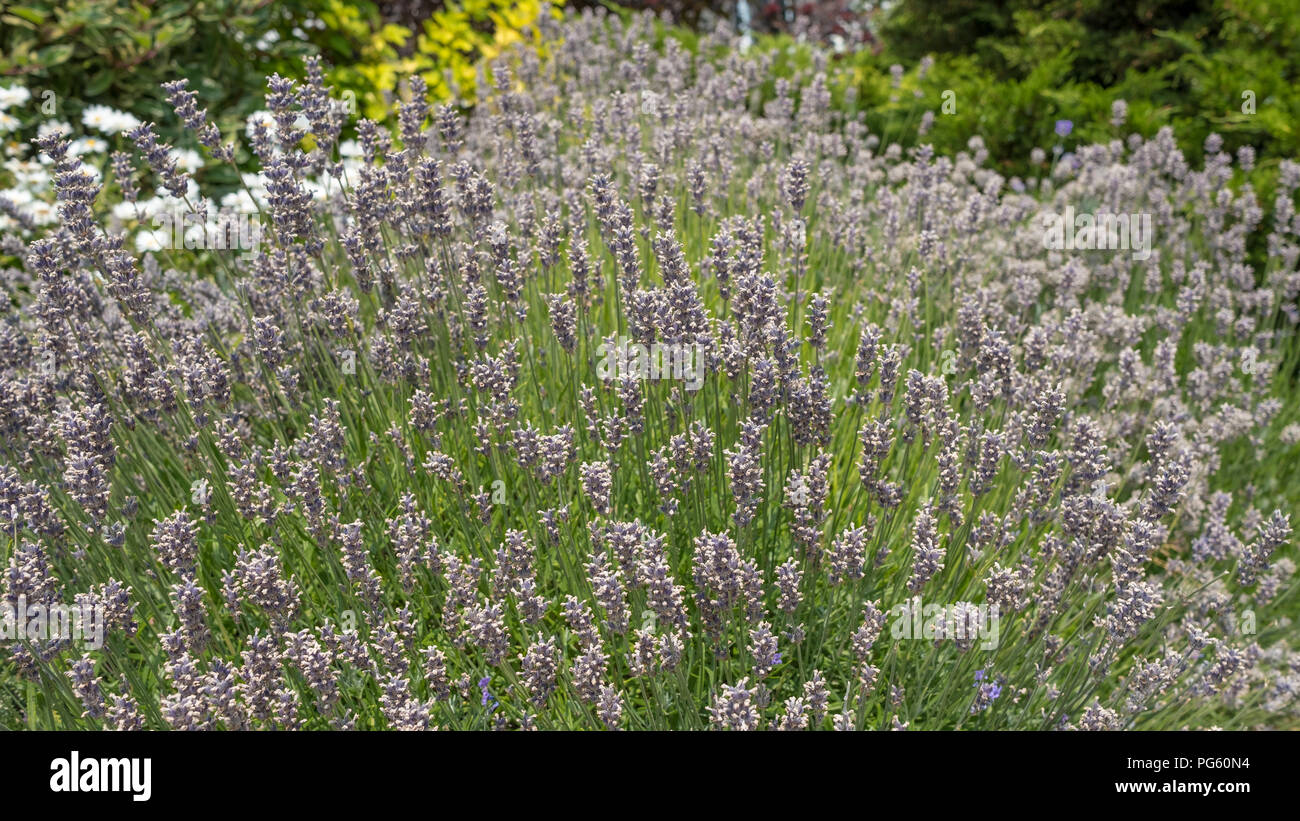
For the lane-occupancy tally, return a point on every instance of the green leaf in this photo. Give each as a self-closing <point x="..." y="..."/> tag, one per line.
<point x="173" y="32"/>
<point x="21" y="15"/>
<point x="54" y="55"/>
<point x="99" y="83"/>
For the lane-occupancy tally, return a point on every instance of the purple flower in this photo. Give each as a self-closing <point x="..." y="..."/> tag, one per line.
<point x="1064" y="127"/>
<point x="487" y="696"/>
<point x="985" y="694"/>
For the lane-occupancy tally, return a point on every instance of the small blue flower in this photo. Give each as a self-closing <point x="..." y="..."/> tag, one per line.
<point x="979" y="675"/>
<point x="1064" y="127"/>
<point x="985" y="695"/>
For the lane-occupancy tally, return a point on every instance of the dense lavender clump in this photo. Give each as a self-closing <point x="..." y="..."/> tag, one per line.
<point x="382" y="474"/>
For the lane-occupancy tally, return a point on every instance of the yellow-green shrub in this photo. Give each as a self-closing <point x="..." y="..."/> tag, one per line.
<point x="372" y="56"/>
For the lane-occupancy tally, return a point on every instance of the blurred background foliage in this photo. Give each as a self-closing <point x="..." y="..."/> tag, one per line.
<point x="1182" y="63"/>
<point x="118" y="52"/>
<point x="1014" y="67"/>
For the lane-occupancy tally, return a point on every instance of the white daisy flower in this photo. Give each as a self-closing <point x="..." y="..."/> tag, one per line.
<point x="125" y="122"/>
<point x="18" y="196"/>
<point x="12" y="96"/>
<point x="87" y="145"/>
<point x="240" y="202"/>
<point x="300" y="123"/>
<point x="28" y="173"/>
<point x="151" y="207"/>
<point x="155" y="240"/>
<point x="124" y="211"/>
<point x="318" y="192"/>
<point x="42" y="212"/>
<point x="187" y="159"/>
<point x="53" y="127"/>
<point x="98" y="117"/>
<point x="90" y="171"/>
<point x="260" y="116"/>
<point x="107" y="120"/>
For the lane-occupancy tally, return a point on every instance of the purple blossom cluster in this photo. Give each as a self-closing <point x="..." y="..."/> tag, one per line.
<point x="370" y="477"/>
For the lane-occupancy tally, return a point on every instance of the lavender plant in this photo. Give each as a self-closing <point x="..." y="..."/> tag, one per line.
<point x="936" y="471"/>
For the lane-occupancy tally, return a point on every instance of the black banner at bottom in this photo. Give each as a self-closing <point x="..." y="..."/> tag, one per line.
<point x="141" y="773"/>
